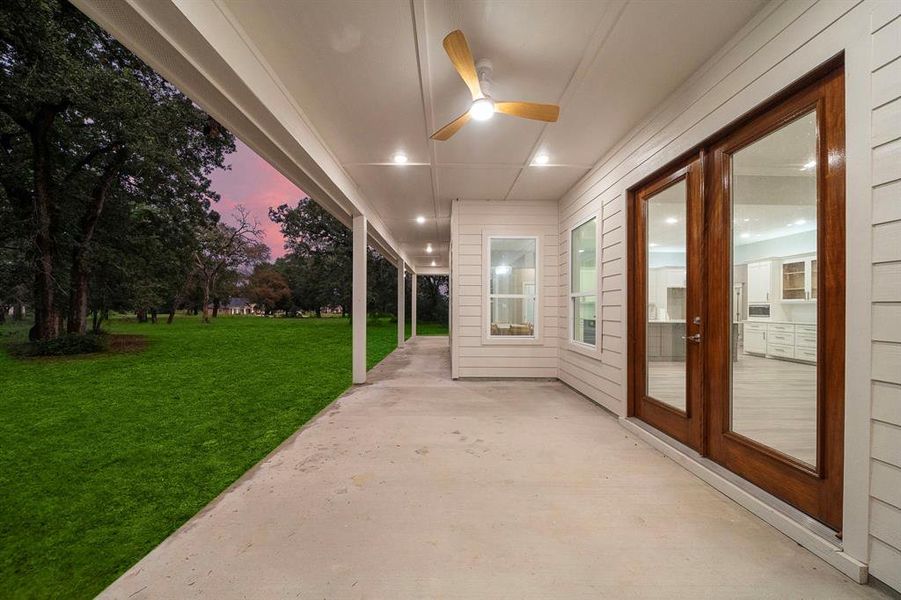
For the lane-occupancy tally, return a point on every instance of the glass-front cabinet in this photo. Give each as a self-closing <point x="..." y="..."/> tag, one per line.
<point x="799" y="279"/>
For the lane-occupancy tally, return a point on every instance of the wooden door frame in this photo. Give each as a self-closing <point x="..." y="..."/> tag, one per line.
<point x="688" y="426"/>
<point x="816" y="491"/>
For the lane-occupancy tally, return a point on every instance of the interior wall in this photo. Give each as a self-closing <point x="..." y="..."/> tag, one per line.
<point x="473" y="355"/>
<point x="783" y="43"/>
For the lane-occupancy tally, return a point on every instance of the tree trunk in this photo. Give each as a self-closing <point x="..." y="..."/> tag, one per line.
<point x="3" y="310"/>
<point x="215" y="307"/>
<point x="153" y="315"/>
<point x="141" y="313"/>
<point x="206" y="302"/>
<point x="46" y="323"/>
<point x="18" y="312"/>
<point x="78" y="287"/>
<point x="171" y="313"/>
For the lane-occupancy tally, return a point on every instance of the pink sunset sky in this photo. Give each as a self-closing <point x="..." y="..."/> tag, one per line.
<point x="253" y="182"/>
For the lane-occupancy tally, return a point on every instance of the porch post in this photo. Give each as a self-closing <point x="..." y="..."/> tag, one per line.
<point x="359" y="298"/>
<point x="401" y="305"/>
<point x="413" y="305"/>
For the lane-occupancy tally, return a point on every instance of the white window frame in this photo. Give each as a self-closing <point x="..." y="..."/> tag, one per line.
<point x="488" y="296"/>
<point x="589" y="349"/>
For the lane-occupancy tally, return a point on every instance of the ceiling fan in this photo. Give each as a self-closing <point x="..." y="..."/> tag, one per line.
<point x="483" y="106"/>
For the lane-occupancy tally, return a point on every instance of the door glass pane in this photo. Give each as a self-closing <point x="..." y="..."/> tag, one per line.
<point x="774" y="253"/>
<point x="666" y="271"/>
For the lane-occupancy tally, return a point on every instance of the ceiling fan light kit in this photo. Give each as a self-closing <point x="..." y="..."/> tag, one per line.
<point x="477" y="79"/>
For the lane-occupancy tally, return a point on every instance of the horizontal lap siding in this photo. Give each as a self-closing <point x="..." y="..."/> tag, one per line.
<point x="885" y="443"/>
<point x="786" y="41"/>
<point x="474" y="357"/>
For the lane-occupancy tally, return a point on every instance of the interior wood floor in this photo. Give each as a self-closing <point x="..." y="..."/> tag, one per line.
<point x="774" y="401"/>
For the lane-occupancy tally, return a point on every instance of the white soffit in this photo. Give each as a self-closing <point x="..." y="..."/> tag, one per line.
<point x="374" y="79"/>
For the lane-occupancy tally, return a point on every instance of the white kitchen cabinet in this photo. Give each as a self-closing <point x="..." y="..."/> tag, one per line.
<point x="760" y="282"/>
<point x="754" y="338"/>
<point x="781" y="340"/>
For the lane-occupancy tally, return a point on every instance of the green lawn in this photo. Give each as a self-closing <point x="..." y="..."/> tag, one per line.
<point x="429" y="329"/>
<point x="103" y="457"/>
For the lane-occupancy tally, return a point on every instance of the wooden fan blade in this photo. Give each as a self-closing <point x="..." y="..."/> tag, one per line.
<point x="458" y="51"/>
<point x="529" y="110"/>
<point x="451" y="128"/>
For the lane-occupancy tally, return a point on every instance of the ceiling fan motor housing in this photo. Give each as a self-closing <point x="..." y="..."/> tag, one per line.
<point x="484" y="69"/>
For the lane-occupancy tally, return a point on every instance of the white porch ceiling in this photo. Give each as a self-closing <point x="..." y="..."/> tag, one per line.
<point x="373" y="79"/>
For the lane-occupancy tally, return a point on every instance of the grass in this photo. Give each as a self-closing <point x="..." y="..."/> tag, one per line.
<point x="103" y="456"/>
<point x="429" y="329"/>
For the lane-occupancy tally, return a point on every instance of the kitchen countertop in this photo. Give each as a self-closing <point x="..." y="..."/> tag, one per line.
<point x="773" y="321"/>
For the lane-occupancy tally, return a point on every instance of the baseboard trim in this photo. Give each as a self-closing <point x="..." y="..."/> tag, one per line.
<point x="808" y="537"/>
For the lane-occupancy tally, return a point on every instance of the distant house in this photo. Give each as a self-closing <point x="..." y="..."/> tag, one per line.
<point x="241" y="306"/>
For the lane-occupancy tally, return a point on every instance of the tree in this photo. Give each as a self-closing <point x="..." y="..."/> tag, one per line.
<point x="268" y="289"/>
<point x="84" y="123"/>
<point x="225" y="247"/>
<point x="321" y="249"/>
<point x="319" y="263"/>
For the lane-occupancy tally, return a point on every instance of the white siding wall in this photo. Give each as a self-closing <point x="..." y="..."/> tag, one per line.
<point x="885" y="473"/>
<point x="784" y="42"/>
<point x="472" y="356"/>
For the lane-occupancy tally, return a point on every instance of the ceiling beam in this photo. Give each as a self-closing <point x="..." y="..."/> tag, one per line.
<point x="421" y="47"/>
<point x="610" y="17"/>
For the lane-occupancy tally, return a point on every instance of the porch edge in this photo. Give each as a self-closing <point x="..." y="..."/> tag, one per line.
<point x="822" y="547"/>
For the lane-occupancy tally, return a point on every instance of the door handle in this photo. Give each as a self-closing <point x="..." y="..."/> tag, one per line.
<point x="696" y="338"/>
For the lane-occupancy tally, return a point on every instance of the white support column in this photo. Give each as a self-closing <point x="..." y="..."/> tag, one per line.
<point x="413" y="305"/>
<point x="401" y="305"/>
<point x="359" y="299"/>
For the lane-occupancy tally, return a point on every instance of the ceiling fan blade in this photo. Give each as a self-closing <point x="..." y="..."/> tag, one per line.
<point x="458" y="51"/>
<point x="451" y="128"/>
<point x="529" y="110"/>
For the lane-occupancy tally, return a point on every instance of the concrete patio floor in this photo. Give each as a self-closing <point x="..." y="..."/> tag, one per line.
<point x="417" y="486"/>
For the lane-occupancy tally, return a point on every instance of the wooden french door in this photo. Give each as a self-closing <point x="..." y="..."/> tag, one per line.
<point x="746" y="363"/>
<point x="665" y="342"/>
<point x="776" y="413"/>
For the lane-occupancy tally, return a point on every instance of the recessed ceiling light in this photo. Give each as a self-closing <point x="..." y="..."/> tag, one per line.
<point x="541" y="159"/>
<point x="746" y="220"/>
<point x="800" y="221"/>
<point x="503" y="269"/>
<point x="808" y="166"/>
<point x="420" y="219"/>
<point x="651" y="245"/>
<point x="399" y="158"/>
<point x="428" y="249"/>
<point x="789" y="224"/>
<point x="671" y="220"/>
<point x="745" y="235"/>
<point x="482" y="109"/>
<point x="433" y="263"/>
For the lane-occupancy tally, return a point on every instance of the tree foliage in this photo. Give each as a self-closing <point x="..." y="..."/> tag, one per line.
<point x="268" y="289"/>
<point x="319" y="267"/>
<point x="94" y="145"/>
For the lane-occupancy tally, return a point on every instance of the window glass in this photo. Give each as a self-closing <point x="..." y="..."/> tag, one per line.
<point x="512" y="285"/>
<point x="584" y="264"/>
<point x="583" y="282"/>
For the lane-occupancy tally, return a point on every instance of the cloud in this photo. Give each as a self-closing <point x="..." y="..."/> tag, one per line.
<point x="253" y="182"/>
